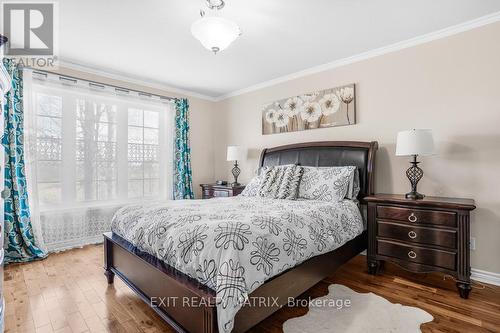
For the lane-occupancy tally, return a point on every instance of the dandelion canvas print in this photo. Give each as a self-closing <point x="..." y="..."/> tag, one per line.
<point x="325" y="108"/>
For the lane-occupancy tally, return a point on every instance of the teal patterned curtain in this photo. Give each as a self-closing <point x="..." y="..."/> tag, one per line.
<point x="19" y="239"/>
<point x="183" y="182"/>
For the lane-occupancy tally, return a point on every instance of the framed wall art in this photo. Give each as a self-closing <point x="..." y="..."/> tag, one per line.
<point x="326" y="108"/>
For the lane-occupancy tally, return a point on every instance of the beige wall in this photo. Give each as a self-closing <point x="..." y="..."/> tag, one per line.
<point x="451" y="85"/>
<point x="201" y="136"/>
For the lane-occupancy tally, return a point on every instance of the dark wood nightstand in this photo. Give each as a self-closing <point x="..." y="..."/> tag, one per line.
<point x="425" y="235"/>
<point x="214" y="190"/>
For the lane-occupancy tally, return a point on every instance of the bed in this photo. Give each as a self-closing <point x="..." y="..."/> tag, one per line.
<point x="185" y="298"/>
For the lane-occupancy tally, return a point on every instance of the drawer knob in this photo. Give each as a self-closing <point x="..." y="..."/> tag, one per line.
<point x="412" y="255"/>
<point x="412" y="218"/>
<point x="412" y="234"/>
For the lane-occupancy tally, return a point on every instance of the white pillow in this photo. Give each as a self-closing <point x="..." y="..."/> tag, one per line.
<point x="327" y="183"/>
<point x="252" y="188"/>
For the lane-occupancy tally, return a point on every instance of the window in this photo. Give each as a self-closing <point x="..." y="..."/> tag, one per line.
<point x="78" y="141"/>
<point x="92" y="151"/>
<point x="49" y="147"/>
<point x="95" y="151"/>
<point x="143" y="149"/>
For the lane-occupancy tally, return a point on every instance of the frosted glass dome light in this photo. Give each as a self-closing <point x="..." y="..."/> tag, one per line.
<point x="215" y="33"/>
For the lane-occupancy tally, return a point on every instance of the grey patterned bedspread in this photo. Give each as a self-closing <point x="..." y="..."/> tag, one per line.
<point x="233" y="245"/>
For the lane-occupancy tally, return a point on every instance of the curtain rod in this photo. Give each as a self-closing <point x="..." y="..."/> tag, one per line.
<point x="100" y="84"/>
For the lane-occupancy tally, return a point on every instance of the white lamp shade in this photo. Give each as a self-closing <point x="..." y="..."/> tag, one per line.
<point x="215" y="33"/>
<point x="236" y="153"/>
<point x="415" y="142"/>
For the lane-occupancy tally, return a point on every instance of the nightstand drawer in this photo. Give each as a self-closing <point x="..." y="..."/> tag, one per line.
<point x="207" y="194"/>
<point x="417" y="216"/>
<point x="219" y="193"/>
<point x="414" y="234"/>
<point x="417" y="254"/>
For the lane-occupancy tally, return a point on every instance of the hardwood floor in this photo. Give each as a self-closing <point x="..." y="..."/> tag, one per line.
<point x="68" y="292"/>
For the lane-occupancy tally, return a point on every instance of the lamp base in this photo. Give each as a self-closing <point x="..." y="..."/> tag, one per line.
<point x="236" y="172"/>
<point x="414" y="174"/>
<point x="414" y="196"/>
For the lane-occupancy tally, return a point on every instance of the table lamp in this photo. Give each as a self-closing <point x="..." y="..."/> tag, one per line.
<point x="415" y="142"/>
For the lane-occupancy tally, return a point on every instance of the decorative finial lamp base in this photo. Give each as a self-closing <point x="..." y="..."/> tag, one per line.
<point x="236" y="153"/>
<point x="236" y="172"/>
<point x="414" y="174"/>
<point x="414" y="196"/>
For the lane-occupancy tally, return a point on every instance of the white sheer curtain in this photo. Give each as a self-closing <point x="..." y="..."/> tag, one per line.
<point x="90" y="149"/>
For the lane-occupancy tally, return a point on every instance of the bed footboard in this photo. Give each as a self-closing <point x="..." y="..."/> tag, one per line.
<point x="188" y="306"/>
<point x="170" y="294"/>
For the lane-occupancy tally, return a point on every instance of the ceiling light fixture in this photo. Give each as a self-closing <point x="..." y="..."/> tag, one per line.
<point x="215" y="33"/>
<point x="215" y="4"/>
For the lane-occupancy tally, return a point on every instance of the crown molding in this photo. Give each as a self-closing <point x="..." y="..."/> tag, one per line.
<point x="65" y="63"/>
<point x="446" y="32"/>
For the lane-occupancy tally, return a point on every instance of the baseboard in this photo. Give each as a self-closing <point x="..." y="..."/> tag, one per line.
<point x="74" y="243"/>
<point x="485" y="276"/>
<point x="478" y="275"/>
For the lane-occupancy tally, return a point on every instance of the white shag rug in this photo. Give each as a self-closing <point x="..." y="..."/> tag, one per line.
<point x="345" y="311"/>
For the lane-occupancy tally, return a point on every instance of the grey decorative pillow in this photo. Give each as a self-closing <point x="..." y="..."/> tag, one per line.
<point x="281" y="182"/>
<point x="326" y="183"/>
<point x="252" y="189"/>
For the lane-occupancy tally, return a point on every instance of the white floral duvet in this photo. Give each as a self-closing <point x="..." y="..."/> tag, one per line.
<point x="233" y="245"/>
